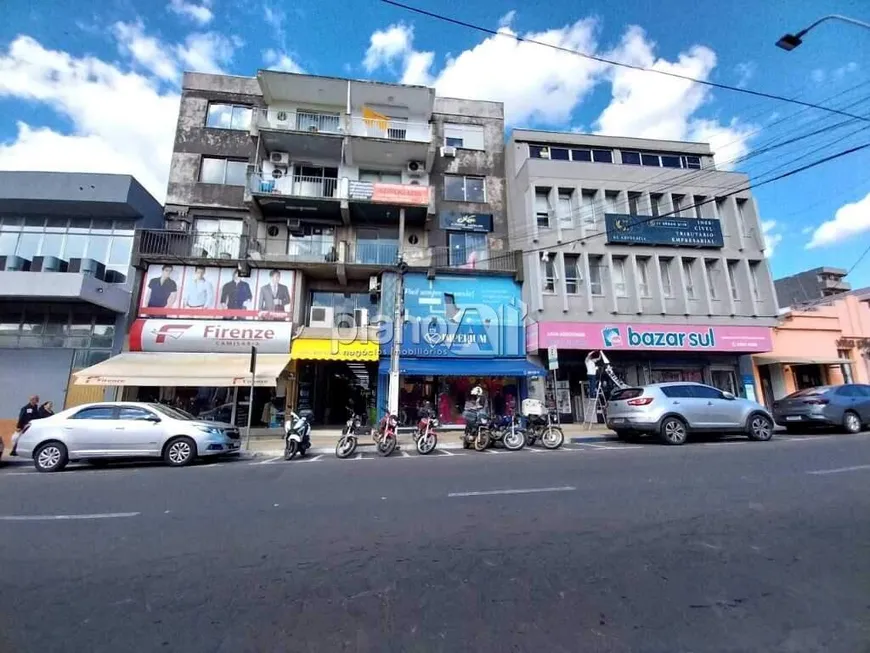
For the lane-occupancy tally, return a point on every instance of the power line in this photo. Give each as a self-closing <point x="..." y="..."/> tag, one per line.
<point x="860" y="258"/>
<point x="599" y="59"/>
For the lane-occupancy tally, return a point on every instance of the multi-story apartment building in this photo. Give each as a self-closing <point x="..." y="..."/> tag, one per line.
<point x="811" y="285"/>
<point x="640" y="248"/>
<point x="291" y="200"/>
<point x="66" y="280"/>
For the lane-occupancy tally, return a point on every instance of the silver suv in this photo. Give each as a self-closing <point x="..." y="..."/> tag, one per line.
<point x="674" y="410"/>
<point x="102" y="432"/>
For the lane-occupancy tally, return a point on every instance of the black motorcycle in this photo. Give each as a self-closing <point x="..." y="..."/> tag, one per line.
<point x="478" y="433"/>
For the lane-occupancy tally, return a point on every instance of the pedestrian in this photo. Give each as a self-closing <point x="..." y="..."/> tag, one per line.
<point x="28" y="413"/>
<point x="46" y="410"/>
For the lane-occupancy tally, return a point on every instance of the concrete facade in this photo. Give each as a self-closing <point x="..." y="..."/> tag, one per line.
<point x="810" y="285"/>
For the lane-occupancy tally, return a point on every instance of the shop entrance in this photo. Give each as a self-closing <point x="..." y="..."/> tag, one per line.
<point x="331" y="388"/>
<point x="447" y="395"/>
<point x="807" y="376"/>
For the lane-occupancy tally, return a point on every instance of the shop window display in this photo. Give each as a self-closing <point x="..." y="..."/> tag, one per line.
<point x="448" y="396"/>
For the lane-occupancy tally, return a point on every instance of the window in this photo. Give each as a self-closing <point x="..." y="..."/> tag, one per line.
<point x="698" y="202"/>
<point x="732" y="279"/>
<point x="228" y="116"/>
<point x="539" y="152"/>
<point x="678" y="204"/>
<point x="548" y="272"/>
<point x="712" y="278"/>
<point x="631" y="158"/>
<point x="95" y="412"/>
<point x="753" y="279"/>
<point x="374" y="246"/>
<point x="464" y="189"/>
<point x="469" y="137"/>
<point x="634" y="203"/>
<point x="467" y="250"/>
<point x="679" y="391"/>
<point x="643" y="277"/>
<point x="217" y="238"/>
<point x="661" y="160"/>
<point x="135" y="413"/>
<point x="380" y="176"/>
<point x="665" y="269"/>
<point x="348" y="309"/>
<point x="602" y="156"/>
<point x="619" y="285"/>
<point x="588" y="209"/>
<point x="657" y="204"/>
<point x="581" y="155"/>
<point x="542" y="207"/>
<point x="313" y="121"/>
<point x="691" y="162"/>
<point x="741" y="217"/>
<point x="223" y="171"/>
<point x="565" y="209"/>
<point x="610" y="199"/>
<point x="596" y="275"/>
<point x="573" y="278"/>
<point x="706" y="392"/>
<point x="690" y="281"/>
<point x="560" y="154"/>
<point x="670" y="161"/>
<point x="650" y="160"/>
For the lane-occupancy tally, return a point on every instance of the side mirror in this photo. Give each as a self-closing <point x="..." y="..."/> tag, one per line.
<point x="152" y="418"/>
<point x="728" y="395"/>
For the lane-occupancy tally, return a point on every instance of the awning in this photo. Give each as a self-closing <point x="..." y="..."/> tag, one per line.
<point x="799" y="360"/>
<point x="142" y="368"/>
<point x="324" y="349"/>
<point x="464" y="367"/>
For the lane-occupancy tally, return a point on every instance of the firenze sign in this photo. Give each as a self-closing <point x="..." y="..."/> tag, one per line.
<point x="674" y="231"/>
<point x="648" y="337"/>
<point x="205" y="336"/>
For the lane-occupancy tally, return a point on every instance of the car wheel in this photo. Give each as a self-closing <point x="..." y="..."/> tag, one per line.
<point x="51" y="457"/>
<point x="851" y="422"/>
<point x="179" y="452"/>
<point x="673" y="431"/>
<point x="759" y="427"/>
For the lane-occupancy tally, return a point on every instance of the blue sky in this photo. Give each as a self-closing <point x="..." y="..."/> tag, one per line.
<point x="99" y="91"/>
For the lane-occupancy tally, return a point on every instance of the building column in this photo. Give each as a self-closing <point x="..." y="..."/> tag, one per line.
<point x="660" y="285"/>
<point x="683" y="284"/>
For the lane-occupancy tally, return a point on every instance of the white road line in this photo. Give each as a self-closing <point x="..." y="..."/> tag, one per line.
<point x="313" y="460"/>
<point x="839" y="470"/>
<point x="806" y="439"/>
<point x="448" y="453"/>
<point x="270" y="460"/>
<point x="404" y="453"/>
<point x="536" y="490"/>
<point x="493" y="451"/>
<point x="530" y="450"/>
<point x="105" y="515"/>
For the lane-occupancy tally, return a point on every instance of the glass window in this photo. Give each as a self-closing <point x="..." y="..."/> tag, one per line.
<point x="98" y="247"/>
<point x="678" y="204"/>
<point x="588" y="209"/>
<point x="542" y="207"/>
<point x="559" y="154"/>
<point x="539" y="152"/>
<point x="75" y="244"/>
<point x="95" y="412"/>
<point x="454" y="188"/>
<point x="212" y="170"/>
<point x="236" y="173"/>
<point x="28" y="244"/>
<point x="52" y="244"/>
<point x="467" y="250"/>
<point x="706" y="392"/>
<point x="619" y="284"/>
<point x="121" y="251"/>
<point x="753" y="279"/>
<point x="692" y="162"/>
<point x="474" y="189"/>
<point x="610" y="199"/>
<point x="602" y="156"/>
<point x="134" y="413"/>
<point x="548" y="272"/>
<point x="650" y="159"/>
<point x="596" y="265"/>
<point x="643" y="277"/>
<point x="452" y="141"/>
<point x="565" y="209"/>
<point x="631" y="158"/>
<point x="581" y="155"/>
<point x="712" y="279"/>
<point x="573" y="278"/>
<point x="227" y="116"/>
<point x="669" y="161"/>
<point x="665" y="268"/>
<point x="698" y="203"/>
<point x="732" y="279"/>
<point x="8" y="242"/>
<point x="470" y="137"/>
<point x="103" y="336"/>
<point x="690" y="282"/>
<point x="634" y="203"/>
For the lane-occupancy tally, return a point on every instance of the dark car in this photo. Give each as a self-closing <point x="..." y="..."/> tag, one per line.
<point x="839" y="406"/>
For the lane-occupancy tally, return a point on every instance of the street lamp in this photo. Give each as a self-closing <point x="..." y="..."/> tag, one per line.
<point x="789" y="42"/>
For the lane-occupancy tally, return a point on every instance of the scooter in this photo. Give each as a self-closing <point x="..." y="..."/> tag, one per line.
<point x="297" y="435"/>
<point x="425" y="436"/>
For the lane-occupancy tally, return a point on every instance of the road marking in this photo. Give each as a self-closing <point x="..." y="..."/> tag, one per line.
<point x="313" y="460"/>
<point x="805" y="438"/>
<point x="566" y="488"/>
<point x="105" y="515"/>
<point x="839" y="470"/>
<point x="530" y="450"/>
<point x="448" y="453"/>
<point x="404" y="453"/>
<point x="270" y="460"/>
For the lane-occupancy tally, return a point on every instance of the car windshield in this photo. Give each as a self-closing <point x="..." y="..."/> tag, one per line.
<point x="174" y="413"/>
<point x="626" y="393"/>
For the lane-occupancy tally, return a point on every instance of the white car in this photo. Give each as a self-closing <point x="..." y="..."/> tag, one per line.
<point x="101" y="432"/>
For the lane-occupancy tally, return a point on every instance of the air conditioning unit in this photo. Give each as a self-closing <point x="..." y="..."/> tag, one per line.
<point x="448" y="151"/>
<point x="47" y="264"/>
<point x="280" y="158"/>
<point x="321" y="316"/>
<point x="416" y="167"/>
<point x="361" y="317"/>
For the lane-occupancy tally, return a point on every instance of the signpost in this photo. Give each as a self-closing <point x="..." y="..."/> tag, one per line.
<point x="251" y="396"/>
<point x="553" y="358"/>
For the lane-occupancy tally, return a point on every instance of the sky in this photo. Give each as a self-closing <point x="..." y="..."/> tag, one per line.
<point x="98" y="90"/>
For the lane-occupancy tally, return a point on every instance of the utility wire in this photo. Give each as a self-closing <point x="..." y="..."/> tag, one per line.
<point x="599" y="59"/>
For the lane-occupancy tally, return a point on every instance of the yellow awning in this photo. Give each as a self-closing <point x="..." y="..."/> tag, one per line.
<point x="323" y="349"/>
<point x="140" y="368"/>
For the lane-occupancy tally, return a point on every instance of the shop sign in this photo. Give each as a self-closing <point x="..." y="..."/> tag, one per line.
<point x="360" y="190"/>
<point x="674" y="231"/>
<point x="417" y="195"/>
<point x="210" y="336"/>
<point x="197" y="292"/>
<point x="334" y="350"/>
<point x="456" y="221"/>
<point x="652" y="337"/>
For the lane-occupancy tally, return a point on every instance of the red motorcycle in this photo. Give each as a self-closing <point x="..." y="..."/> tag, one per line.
<point x="425" y="436"/>
<point x="386" y="435"/>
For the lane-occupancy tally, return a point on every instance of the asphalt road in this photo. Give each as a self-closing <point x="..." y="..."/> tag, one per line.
<point x="738" y="546"/>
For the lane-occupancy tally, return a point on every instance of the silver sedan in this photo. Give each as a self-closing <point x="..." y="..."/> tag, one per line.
<point x="101" y="432"/>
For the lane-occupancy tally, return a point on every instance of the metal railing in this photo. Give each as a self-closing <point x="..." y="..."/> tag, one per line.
<point x="315" y="249"/>
<point x="472" y="259"/>
<point x="192" y="244"/>
<point x="293" y="185"/>
<point x="392" y="129"/>
<point x="373" y="253"/>
<point x="306" y="121"/>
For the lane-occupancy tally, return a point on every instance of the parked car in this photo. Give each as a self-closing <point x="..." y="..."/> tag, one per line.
<point x="673" y="411"/>
<point x="846" y="406"/>
<point x="99" y="433"/>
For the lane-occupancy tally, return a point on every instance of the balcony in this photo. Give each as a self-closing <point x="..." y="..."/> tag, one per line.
<point x="308" y="134"/>
<point x="164" y="244"/>
<point x="293" y="186"/>
<point x="373" y="253"/>
<point x="386" y="141"/>
<point x="315" y="249"/>
<point x="313" y="197"/>
<point x="484" y="261"/>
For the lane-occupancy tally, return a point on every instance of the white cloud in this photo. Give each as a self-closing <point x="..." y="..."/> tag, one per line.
<point x="207" y="52"/>
<point x="771" y="237"/>
<point x="200" y="13"/>
<point x="145" y="50"/>
<point x="807" y="230"/>
<point x="846" y="69"/>
<point x="849" y="220"/>
<point x="818" y="75"/>
<point x="645" y="105"/>
<point x="417" y="66"/>
<point x="745" y="72"/>
<point x="122" y="122"/>
<point x="507" y="19"/>
<point x="276" y="60"/>
<point x="388" y="45"/>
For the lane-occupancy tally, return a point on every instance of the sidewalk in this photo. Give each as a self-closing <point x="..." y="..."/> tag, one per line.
<point x="323" y="441"/>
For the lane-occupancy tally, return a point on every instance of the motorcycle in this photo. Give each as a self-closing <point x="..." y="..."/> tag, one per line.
<point x="385" y="436"/>
<point x="477" y="433"/>
<point x="349" y="439"/>
<point x="297" y="435"/>
<point x="509" y="432"/>
<point x="425" y="437"/>
<point x="543" y="429"/>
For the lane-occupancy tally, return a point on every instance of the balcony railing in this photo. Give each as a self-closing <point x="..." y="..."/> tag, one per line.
<point x="467" y="259"/>
<point x="293" y="185"/>
<point x="192" y="244"/>
<point x="315" y="249"/>
<point x="304" y="121"/>
<point x="373" y="253"/>
<point x="392" y="129"/>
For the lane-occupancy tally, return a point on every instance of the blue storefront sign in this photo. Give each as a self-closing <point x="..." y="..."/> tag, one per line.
<point x="457" y="221"/>
<point x="674" y="231"/>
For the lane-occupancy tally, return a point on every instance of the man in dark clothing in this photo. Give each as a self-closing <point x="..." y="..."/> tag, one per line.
<point x="28" y="413"/>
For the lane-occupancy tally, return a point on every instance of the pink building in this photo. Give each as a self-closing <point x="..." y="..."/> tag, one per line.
<point x="827" y="343"/>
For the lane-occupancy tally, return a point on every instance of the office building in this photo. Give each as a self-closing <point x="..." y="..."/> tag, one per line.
<point x="810" y="285"/>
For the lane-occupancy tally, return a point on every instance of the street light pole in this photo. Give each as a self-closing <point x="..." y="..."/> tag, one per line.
<point x="789" y="42"/>
<point x="398" y="312"/>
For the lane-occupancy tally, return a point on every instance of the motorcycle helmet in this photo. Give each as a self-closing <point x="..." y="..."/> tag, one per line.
<point x="477" y="391"/>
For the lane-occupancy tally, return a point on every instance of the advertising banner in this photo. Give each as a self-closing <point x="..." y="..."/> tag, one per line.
<point x="382" y="193"/>
<point x="678" y="232"/>
<point x="456" y="221"/>
<point x="197" y="292"/>
<point x="661" y="337"/>
<point x="460" y="316"/>
<point x="211" y="336"/>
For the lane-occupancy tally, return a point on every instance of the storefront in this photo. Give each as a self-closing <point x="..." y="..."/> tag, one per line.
<point x="650" y="353"/>
<point x="459" y="332"/>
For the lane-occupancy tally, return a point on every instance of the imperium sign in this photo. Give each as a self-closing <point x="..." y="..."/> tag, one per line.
<point x="673" y="231"/>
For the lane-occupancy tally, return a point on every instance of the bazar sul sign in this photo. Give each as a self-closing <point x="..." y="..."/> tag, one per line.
<point x="673" y="231"/>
